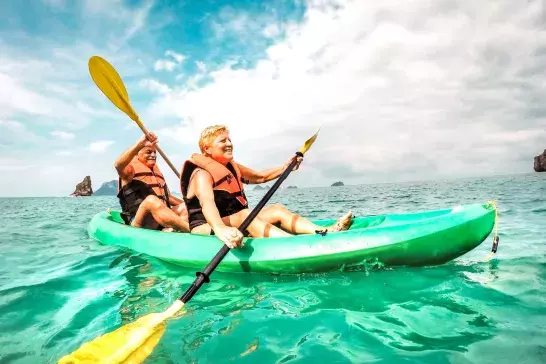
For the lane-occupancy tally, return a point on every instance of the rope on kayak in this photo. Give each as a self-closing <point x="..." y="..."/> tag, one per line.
<point x="495" y="245"/>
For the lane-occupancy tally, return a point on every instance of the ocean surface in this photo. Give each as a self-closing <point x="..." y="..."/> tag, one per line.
<point x="60" y="289"/>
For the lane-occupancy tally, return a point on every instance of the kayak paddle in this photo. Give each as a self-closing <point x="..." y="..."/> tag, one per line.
<point x="135" y="341"/>
<point x="109" y="82"/>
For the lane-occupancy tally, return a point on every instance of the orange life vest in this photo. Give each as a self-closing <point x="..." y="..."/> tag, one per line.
<point x="152" y="177"/>
<point x="145" y="182"/>
<point x="227" y="185"/>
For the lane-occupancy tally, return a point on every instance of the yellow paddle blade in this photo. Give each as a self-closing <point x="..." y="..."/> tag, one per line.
<point x="309" y="142"/>
<point x="131" y="343"/>
<point x="109" y="82"/>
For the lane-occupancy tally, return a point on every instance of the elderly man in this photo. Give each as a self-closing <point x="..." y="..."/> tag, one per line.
<point x="143" y="193"/>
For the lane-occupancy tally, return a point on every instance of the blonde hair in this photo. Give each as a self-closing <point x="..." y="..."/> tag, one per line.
<point x="208" y="135"/>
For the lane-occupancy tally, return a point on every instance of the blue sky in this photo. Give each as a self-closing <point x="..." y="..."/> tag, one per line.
<point x="403" y="91"/>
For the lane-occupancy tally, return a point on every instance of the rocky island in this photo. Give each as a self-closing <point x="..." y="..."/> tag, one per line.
<point x="109" y="188"/>
<point x="83" y="188"/>
<point x="338" y="183"/>
<point x="540" y="162"/>
<point x="258" y="188"/>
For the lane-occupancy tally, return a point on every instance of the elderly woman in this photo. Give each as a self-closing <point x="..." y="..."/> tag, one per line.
<point x="212" y="187"/>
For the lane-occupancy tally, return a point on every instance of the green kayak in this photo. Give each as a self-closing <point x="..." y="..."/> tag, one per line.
<point x="411" y="239"/>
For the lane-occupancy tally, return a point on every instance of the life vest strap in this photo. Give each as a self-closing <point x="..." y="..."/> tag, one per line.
<point x="227" y="178"/>
<point x="143" y="174"/>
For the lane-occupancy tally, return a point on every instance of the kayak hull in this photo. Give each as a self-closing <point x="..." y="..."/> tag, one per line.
<point x="414" y="239"/>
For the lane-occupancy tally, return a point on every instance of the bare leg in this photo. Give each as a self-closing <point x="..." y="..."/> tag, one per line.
<point x="181" y="211"/>
<point x="295" y="224"/>
<point x="152" y="213"/>
<point x="258" y="228"/>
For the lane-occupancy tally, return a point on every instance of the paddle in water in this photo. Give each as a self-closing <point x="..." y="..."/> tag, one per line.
<point x="134" y="342"/>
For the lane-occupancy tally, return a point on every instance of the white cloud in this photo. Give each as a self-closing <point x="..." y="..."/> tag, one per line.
<point x="179" y="58"/>
<point x="15" y="135"/>
<point x="271" y="31"/>
<point x="63" y="153"/>
<point x="15" y="97"/>
<point x="37" y="87"/>
<point x="132" y="19"/>
<point x="168" y="65"/>
<point x="155" y="86"/>
<point x="239" y="22"/>
<point x="201" y="66"/>
<point x="14" y="168"/>
<point x="12" y="125"/>
<point x="424" y="90"/>
<point x="100" y="146"/>
<point x="62" y="135"/>
<point x="164" y="65"/>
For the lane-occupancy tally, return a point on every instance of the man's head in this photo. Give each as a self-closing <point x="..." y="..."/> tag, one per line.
<point x="147" y="155"/>
<point x="216" y="143"/>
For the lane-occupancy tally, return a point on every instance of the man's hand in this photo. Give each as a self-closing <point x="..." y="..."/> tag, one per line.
<point x="149" y="140"/>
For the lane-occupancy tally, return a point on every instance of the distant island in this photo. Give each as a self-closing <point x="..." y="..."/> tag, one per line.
<point x="540" y="162"/>
<point x="108" y="189"/>
<point x="83" y="188"/>
<point x="338" y="183"/>
<point x="258" y="188"/>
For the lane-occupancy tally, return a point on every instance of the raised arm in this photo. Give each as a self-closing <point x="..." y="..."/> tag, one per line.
<point x="251" y="176"/>
<point x="125" y="158"/>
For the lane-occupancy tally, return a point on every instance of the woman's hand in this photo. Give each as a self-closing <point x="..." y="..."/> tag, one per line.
<point x="287" y="164"/>
<point x="231" y="236"/>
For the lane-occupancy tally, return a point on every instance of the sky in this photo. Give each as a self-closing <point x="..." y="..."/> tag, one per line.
<point x="401" y="90"/>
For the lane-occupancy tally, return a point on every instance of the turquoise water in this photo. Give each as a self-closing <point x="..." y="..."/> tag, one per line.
<point x="59" y="289"/>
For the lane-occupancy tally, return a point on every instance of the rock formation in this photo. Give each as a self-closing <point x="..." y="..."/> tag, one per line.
<point x="338" y="183"/>
<point x="540" y="162"/>
<point x="84" y="188"/>
<point x="109" y="188"/>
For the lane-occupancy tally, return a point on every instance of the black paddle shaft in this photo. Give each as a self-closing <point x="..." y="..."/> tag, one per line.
<point x="203" y="277"/>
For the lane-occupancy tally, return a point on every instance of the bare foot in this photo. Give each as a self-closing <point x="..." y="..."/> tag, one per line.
<point x="343" y="223"/>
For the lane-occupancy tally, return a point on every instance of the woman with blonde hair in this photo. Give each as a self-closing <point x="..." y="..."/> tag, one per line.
<point x="212" y="187"/>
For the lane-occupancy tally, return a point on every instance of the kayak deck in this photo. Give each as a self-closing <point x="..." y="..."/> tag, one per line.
<point x="410" y="239"/>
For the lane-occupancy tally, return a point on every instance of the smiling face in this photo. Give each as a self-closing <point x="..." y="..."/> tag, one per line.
<point x="147" y="156"/>
<point x="220" y="148"/>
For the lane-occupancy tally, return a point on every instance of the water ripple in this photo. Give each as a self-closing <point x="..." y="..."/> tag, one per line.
<point x="61" y="289"/>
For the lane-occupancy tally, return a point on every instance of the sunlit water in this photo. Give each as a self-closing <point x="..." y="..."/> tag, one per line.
<point x="60" y="289"/>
